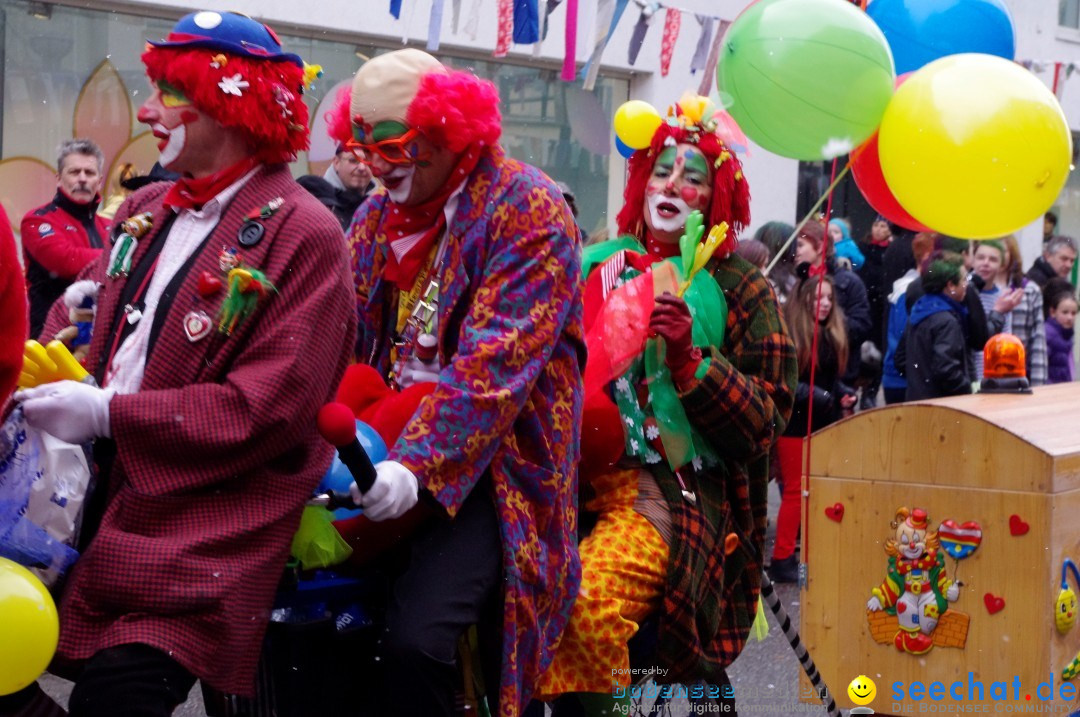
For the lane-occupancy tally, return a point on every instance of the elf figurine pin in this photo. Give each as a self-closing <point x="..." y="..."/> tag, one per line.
<point x="916" y="588"/>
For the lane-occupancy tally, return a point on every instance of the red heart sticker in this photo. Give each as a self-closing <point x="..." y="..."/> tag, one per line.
<point x="994" y="604"/>
<point x="835" y="512"/>
<point x="1017" y="526"/>
<point x="209" y="285"/>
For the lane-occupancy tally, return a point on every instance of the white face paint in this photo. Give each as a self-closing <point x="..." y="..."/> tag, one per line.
<point x="669" y="217"/>
<point x="398" y="183"/>
<point x="173" y="139"/>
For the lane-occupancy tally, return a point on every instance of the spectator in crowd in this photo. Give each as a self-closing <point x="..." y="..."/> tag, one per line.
<point x="1050" y="222"/>
<point x="844" y="246"/>
<point x="850" y="291"/>
<point x="1020" y="305"/>
<point x="893" y="382"/>
<point x="754" y="252"/>
<point x="933" y="354"/>
<point x="782" y="276"/>
<point x="872" y="274"/>
<point x="1059" y="255"/>
<point x="343" y="186"/>
<point x="62" y="237"/>
<point x="829" y="397"/>
<point x="1061" y="306"/>
<point x="571" y="201"/>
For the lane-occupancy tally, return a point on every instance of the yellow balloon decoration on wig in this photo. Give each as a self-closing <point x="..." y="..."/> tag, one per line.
<point x="975" y="146"/>
<point x="28" y="624"/>
<point x="635" y="123"/>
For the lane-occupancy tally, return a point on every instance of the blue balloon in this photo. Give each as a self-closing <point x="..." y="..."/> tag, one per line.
<point x="623" y="148"/>
<point x="338" y="478"/>
<point x="921" y="31"/>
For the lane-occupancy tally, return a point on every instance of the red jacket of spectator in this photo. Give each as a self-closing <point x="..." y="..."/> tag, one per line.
<point x="13" y="328"/>
<point x="59" y="239"/>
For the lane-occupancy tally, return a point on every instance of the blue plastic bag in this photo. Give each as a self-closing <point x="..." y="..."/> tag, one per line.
<point x="42" y="485"/>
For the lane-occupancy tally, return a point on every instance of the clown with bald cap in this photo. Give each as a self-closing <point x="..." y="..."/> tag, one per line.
<point x="468" y="272"/>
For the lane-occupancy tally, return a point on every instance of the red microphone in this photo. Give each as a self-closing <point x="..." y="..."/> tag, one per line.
<point x="338" y="426"/>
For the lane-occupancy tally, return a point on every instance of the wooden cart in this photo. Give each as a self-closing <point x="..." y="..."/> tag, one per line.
<point x="1011" y="463"/>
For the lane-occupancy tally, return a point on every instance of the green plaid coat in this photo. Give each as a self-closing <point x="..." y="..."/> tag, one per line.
<point x="740" y="406"/>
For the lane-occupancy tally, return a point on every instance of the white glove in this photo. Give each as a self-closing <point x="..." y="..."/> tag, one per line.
<point x="952" y="593"/>
<point x="873" y="604"/>
<point x="393" y="492"/>
<point x="73" y="412"/>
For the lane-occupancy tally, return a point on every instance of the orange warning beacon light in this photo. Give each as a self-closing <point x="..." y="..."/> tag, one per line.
<point x="1004" y="366"/>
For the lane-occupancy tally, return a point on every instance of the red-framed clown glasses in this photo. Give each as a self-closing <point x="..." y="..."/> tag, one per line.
<point x="401" y="150"/>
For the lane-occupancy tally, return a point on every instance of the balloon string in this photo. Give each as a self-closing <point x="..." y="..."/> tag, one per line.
<point x="804" y="476"/>
<point x="801" y="224"/>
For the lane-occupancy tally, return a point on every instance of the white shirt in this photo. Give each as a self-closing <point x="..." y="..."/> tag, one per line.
<point x="187" y="233"/>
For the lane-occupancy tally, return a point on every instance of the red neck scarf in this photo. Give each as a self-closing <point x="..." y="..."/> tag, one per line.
<point x="655" y="250"/>
<point x="190" y="193"/>
<point x="428" y="218"/>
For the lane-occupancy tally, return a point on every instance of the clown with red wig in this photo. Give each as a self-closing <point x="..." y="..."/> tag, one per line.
<point x="468" y="273"/>
<point x="690" y="379"/>
<point x="224" y="321"/>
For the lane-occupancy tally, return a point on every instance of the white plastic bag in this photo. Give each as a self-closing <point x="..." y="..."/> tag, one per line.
<point x="43" y="482"/>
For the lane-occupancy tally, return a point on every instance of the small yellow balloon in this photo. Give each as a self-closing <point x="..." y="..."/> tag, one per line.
<point x="636" y="122"/>
<point x="975" y="146"/>
<point x="28" y="624"/>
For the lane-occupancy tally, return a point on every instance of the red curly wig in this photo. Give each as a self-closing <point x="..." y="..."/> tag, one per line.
<point x="271" y="112"/>
<point x="453" y="109"/>
<point x="730" y="198"/>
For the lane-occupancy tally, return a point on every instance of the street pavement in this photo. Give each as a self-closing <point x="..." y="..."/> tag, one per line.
<point x="765" y="677"/>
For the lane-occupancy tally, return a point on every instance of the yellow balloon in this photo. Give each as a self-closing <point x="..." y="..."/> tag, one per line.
<point x="975" y="146"/>
<point x="28" y="624"/>
<point x="635" y="123"/>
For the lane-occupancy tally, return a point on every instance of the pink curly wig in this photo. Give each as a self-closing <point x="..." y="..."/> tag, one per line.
<point x="338" y="125"/>
<point x="730" y="198"/>
<point x="270" y="113"/>
<point x="453" y="109"/>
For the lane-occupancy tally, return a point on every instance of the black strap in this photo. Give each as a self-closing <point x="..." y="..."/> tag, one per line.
<point x="133" y="293"/>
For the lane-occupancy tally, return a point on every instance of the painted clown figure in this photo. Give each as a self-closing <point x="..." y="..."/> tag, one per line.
<point x="916" y="588"/>
<point x="468" y="277"/>
<point x="224" y="321"/>
<point x="690" y="379"/>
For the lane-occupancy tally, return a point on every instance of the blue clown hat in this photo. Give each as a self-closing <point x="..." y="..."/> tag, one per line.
<point x="228" y="32"/>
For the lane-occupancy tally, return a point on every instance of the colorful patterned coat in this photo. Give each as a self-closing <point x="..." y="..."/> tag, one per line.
<point x="508" y="401"/>
<point x="218" y="451"/>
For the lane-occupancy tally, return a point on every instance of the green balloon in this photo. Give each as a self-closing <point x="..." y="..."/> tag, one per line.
<point x="809" y="79"/>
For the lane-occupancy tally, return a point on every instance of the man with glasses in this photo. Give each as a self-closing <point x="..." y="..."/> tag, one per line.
<point x="468" y="271"/>
<point x="346" y="183"/>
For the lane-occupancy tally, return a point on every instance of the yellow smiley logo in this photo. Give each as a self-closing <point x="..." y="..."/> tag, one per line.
<point x="862" y="690"/>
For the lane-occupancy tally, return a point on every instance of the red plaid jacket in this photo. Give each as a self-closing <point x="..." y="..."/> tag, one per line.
<point x="740" y="406"/>
<point x="218" y="451"/>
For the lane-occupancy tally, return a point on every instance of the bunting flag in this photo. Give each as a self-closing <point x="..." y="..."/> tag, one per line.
<point x="526" y="22"/>
<point x="434" y="30"/>
<point x="542" y="14"/>
<point x="608" y="14"/>
<point x="473" y="23"/>
<point x="714" y="58"/>
<point x="672" y="20"/>
<point x="395" y="9"/>
<point x="505" y="28"/>
<point x="701" y="52"/>
<point x="569" y="68"/>
<point x="648" y="11"/>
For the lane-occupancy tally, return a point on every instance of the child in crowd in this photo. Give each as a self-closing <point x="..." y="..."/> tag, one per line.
<point x="846" y="248"/>
<point x="1059" y="335"/>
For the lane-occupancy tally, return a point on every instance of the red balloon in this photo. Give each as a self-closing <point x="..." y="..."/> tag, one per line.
<point x="866" y="168"/>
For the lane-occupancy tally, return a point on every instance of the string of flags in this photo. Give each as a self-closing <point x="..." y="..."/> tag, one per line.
<point x="527" y="22"/>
